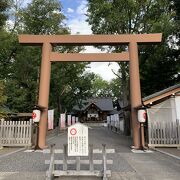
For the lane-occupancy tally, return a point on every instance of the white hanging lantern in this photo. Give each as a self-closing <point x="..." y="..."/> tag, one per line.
<point x="36" y="115"/>
<point x="142" y="115"/>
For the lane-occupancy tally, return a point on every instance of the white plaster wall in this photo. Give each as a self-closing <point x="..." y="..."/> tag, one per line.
<point x="177" y="102"/>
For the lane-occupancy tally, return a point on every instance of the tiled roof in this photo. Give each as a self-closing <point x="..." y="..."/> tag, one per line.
<point x="164" y="93"/>
<point x="103" y="103"/>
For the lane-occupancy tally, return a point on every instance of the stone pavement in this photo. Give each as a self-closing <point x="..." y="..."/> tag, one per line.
<point x="127" y="165"/>
<point x="9" y="150"/>
<point x="170" y="151"/>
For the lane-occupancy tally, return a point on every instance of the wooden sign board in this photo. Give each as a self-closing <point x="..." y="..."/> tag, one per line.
<point x="78" y="140"/>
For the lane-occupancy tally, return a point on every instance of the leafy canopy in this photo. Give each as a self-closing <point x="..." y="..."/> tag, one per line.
<point x="141" y="16"/>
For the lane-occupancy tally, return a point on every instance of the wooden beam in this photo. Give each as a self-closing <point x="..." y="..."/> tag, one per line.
<point x="80" y="173"/>
<point x="90" y="39"/>
<point x="89" y="57"/>
<point x="82" y="161"/>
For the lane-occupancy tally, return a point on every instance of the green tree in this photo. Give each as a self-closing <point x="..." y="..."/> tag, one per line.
<point x="6" y="45"/>
<point x="115" y="87"/>
<point x="159" y="69"/>
<point x="4" y="5"/>
<point x="69" y="84"/>
<point x="3" y="99"/>
<point x="100" y="87"/>
<point x="20" y="64"/>
<point x="44" y="17"/>
<point x="139" y="16"/>
<point x="22" y="83"/>
<point x="175" y="5"/>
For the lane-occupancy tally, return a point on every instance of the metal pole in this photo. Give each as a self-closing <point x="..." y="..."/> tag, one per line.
<point x="37" y="136"/>
<point x="91" y="165"/>
<point x="142" y="137"/>
<point x="65" y="157"/>
<point x="104" y="162"/>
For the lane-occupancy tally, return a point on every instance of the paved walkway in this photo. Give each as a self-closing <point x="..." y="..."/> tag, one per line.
<point x="173" y="151"/>
<point x="9" y="150"/>
<point x="127" y="165"/>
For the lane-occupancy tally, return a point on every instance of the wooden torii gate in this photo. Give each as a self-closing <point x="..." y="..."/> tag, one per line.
<point x="47" y="41"/>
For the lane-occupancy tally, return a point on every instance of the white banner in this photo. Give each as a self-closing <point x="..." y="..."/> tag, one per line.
<point x="77" y="119"/>
<point x="73" y="119"/>
<point x="51" y="119"/>
<point x="121" y="124"/>
<point x="116" y="116"/>
<point x="112" y="120"/>
<point x="108" y="120"/>
<point x="62" y="120"/>
<point x="69" y="120"/>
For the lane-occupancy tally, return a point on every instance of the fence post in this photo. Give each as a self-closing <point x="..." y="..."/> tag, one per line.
<point x="32" y="129"/>
<point x="50" y="175"/>
<point x="104" y="162"/>
<point x="178" y="131"/>
<point x="65" y="157"/>
<point x="91" y="165"/>
<point x="1" y="132"/>
<point x="78" y="163"/>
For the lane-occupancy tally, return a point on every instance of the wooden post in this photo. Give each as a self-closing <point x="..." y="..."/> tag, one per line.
<point x="65" y="157"/>
<point x="44" y="92"/>
<point x="135" y="91"/>
<point x="91" y="165"/>
<point x="142" y="136"/>
<point x="50" y="175"/>
<point x="104" y="162"/>
<point x="78" y="163"/>
<point x="178" y="131"/>
<point x="36" y="125"/>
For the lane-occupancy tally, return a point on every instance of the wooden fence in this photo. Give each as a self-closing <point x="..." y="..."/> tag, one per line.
<point x="164" y="134"/>
<point x="16" y="133"/>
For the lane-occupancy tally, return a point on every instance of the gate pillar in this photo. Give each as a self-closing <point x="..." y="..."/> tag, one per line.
<point x="44" y="92"/>
<point x="135" y="91"/>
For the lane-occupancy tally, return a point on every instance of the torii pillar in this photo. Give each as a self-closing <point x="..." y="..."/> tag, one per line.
<point x="44" y="92"/>
<point x="135" y="91"/>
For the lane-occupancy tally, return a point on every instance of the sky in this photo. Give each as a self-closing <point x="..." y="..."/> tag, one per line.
<point x="75" y="11"/>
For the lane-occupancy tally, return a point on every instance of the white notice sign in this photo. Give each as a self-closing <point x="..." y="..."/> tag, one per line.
<point x="78" y="140"/>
